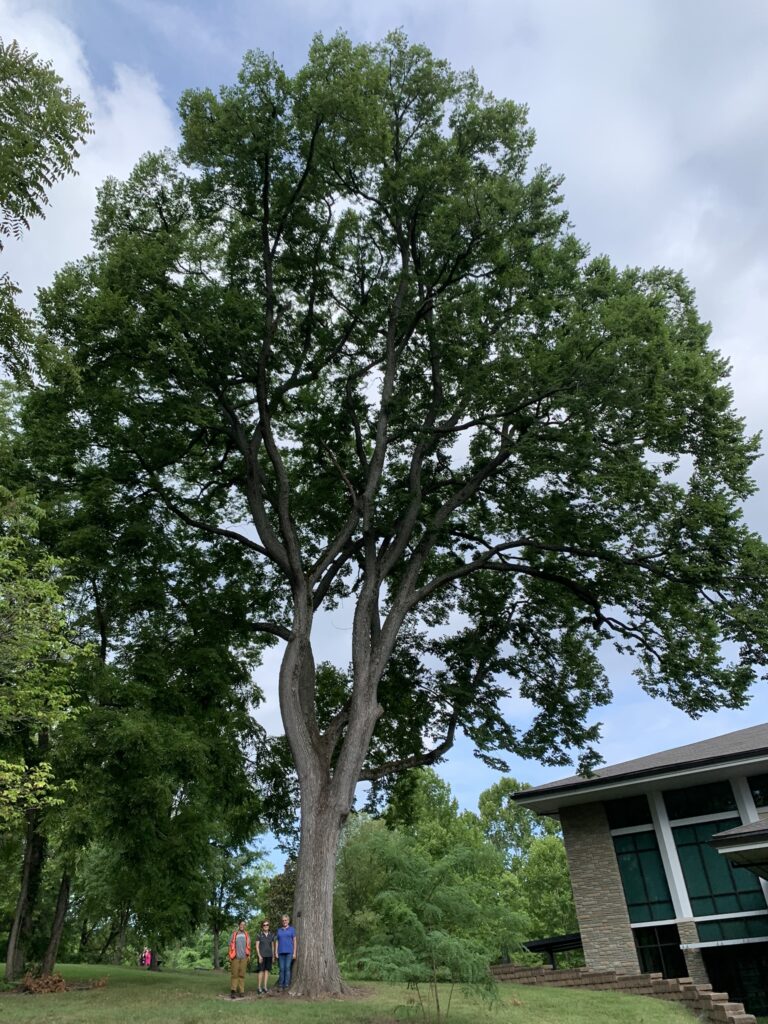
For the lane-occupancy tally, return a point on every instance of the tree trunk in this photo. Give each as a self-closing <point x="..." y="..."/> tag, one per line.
<point x="316" y="971"/>
<point x="117" y="957"/>
<point x="31" y="875"/>
<point x="326" y="796"/>
<point x="57" y="927"/>
<point x="85" y="936"/>
<point x="216" y="949"/>
<point x="110" y="939"/>
<point x="153" y="960"/>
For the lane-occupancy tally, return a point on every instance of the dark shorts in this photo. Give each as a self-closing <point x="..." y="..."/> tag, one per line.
<point x="265" y="964"/>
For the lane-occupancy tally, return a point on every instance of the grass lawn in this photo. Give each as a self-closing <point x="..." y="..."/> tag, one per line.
<point x="184" y="997"/>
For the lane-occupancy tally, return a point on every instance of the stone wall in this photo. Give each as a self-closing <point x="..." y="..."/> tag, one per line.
<point x="710" y="1007"/>
<point x="597" y="891"/>
<point x="694" y="961"/>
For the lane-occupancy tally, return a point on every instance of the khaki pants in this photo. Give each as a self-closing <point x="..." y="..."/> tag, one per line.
<point x="237" y="972"/>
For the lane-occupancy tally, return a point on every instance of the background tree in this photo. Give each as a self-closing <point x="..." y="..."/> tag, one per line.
<point x="545" y="889"/>
<point x="348" y="339"/>
<point x="42" y="125"/>
<point x="236" y="879"/>
<point x="278" y="894"/>
<point x="511" y="828"/>
<point x="38" y="657"/>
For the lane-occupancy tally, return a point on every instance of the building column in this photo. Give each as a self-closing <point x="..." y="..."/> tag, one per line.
<point x="694" y="961"/>
<point x="597" y="890"/>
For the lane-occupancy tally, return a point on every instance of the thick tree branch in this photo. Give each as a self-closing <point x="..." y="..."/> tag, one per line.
<point x="271" y="627"/>
<point x="415" y="760"/>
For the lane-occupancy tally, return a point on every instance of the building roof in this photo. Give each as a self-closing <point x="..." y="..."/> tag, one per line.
<point x="733" y="746"/>
<point x="755" y="831"/>
<point x="745" y="846"/>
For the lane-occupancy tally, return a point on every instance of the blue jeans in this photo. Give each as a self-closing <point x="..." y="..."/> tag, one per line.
<point x="284" y="961"/>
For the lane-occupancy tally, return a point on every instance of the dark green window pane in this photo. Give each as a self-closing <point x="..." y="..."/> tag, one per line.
<point x="713" y="798"/>
<point x="624" y="844"/>
<point x="714" y="887"/>
<point x="727" y="904"/>
<point x="626" y="813"/>
<point x="703" y="906"/>
<point x="646" y="841"/>
<point x="752" y="900"/>
<point x="735" y="928"/>
<point x="759" y="786"/>
<point x="687" y="834"/>
<point x="709" y="931"/>
<point x="642" y="875"/>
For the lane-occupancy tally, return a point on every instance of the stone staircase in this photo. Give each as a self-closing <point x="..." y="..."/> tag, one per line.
<point x="711" y="1007"/>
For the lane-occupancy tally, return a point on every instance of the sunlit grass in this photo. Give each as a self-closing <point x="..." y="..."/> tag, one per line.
<point x="133" y="996"/>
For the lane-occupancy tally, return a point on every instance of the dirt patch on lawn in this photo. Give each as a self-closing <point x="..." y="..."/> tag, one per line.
<point x="51" y="983"/>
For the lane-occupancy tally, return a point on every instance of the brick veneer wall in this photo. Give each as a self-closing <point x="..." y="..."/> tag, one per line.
<point x="711" y="1007"/>
<point x="597" y="891"/>
<point x="694" y="961"/>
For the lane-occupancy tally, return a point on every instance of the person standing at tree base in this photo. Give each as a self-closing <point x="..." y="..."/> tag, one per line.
<point x="266" y="942"/>
<point x="286" y="952"/>
<point x="239" y="952"/>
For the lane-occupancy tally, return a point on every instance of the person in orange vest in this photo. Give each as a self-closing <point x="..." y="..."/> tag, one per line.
<point x="239" y="954"/>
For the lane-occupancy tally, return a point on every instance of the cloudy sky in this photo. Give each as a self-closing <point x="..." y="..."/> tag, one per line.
<point x="654" y="110"/>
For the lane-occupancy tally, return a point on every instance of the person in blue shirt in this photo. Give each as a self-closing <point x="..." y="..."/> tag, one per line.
<point x="286" y="952"/>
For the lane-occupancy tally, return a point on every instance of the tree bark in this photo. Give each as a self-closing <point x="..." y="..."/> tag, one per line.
<point x="31" y="876"/>
<point x="57" y="927"/>
<point x="216" y="950"/>
<point x="316" y="971"/>
<point x="85" y="936"/>
<point x="117" y="957"/>
<point x="110" y="939"/>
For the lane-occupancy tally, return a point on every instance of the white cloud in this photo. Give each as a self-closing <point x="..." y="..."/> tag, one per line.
<point x="129" y="118"/>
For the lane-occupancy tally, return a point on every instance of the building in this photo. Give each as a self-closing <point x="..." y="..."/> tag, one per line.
<point x="668" y="856"/>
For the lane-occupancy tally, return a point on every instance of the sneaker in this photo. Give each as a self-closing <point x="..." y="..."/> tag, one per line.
<point x="233" y="995"/>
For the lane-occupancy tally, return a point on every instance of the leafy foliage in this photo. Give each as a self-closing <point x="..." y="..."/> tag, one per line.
<point x="343" y="346"/>
<point x="511" y="828"/>
<point x="404" y="915"/>
<point x="367" y="329"/>
<point x="42" y="125"/>
<point x="545" y="887"/>
<point x="38" y="658"/>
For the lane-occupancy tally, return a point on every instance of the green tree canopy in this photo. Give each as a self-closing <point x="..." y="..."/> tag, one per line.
<point x="346" y="337"/>
<point x="511" y="827"/>
<point x="42" y="125"/>
<point x="38" y="659"/>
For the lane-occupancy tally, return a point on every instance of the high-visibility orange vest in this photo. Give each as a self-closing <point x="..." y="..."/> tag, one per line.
<point x="232" y="945"/>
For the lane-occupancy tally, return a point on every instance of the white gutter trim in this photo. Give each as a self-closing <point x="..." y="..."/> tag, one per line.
<point x="631" y="830"/>
<point x="734" y="915"/>
<point x="722" y="942"/>
<point x="702" y="819"/>
<point x="646" y="778"/>
<point x="741" y="849"/>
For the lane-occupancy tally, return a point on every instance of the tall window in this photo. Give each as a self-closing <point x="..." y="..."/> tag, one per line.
<point x="759" y="786"/>
<point x="658" y="948"/>
<point x="628" y="812"/>
<point x="642" y="875"/>
<point x="714" y="887"/>
<point x="696" y="801"/>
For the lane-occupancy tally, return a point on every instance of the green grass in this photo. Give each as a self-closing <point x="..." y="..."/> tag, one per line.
<point x="184" y="997"/>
